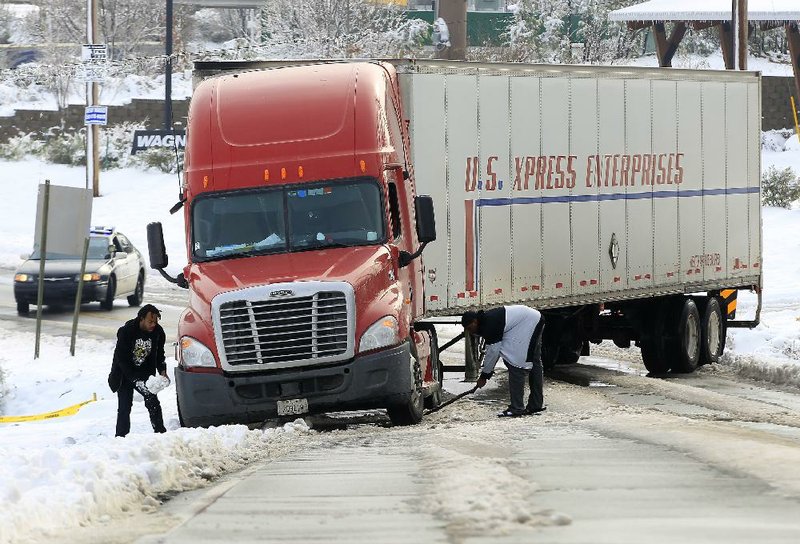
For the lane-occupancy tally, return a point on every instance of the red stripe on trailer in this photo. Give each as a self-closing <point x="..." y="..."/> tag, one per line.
<point x="469" y="241"/>
<point x="498" y="291"/>
<point x="559" y="285"/>
<point x="535" y="287"/>
<point x="473" y="294"/>
<point x="647" y="276"/>
<point x="523" y="289"/>
<point x="434" y="298"/>
<point x="617" y="279"/>
<point x="670" y="274"/>
<point x="583" y="283"/>
<point x="461" y="295"/>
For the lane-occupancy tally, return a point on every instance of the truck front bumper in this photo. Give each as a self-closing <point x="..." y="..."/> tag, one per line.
<point x="375" y="380"/>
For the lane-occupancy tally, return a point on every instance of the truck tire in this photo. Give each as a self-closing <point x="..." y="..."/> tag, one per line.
<point x="684" y="342"/>
<point x="437" y="368"/>
<point x="410" y="413"/>
<point x="712" y="332"/>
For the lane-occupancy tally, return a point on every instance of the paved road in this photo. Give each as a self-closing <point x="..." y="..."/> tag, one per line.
<point x="617" y="458"/>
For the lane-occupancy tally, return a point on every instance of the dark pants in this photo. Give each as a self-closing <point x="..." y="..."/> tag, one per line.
<point x="535" y="376"/>
<point x="125" y="396"/>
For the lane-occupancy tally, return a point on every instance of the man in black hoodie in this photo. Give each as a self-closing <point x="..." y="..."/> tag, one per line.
<point x="138" y="355"/>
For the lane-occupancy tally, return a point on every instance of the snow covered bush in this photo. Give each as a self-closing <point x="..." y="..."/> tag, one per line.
<point x="65" y="147"/>
<point x="779" y="187"/>
<point x="20" y="146"/>
<point x="775" y="140"/>
<point x="161" y="159"/>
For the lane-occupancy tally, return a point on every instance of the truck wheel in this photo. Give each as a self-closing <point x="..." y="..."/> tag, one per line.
<point x="108" y="302"/>
<point x="437" y="369"/>
<point x="23" y="308"/>
<point x="712" y="332"/>
<point x="684" y="343"/>
<point x="410" y="413"/>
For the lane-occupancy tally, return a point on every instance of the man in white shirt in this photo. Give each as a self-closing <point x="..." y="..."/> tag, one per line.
<point x="515" y="334"/>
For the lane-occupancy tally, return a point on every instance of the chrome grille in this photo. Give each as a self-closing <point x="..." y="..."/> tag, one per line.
<point x="286" y="329"/>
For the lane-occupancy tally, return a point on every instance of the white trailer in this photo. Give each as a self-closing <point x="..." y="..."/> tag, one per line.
<point x="626" y="201"/>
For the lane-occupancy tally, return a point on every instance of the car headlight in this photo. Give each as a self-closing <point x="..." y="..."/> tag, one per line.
<point x="88" y="277"/>
<point x="25" y="278"/>
<point x="384" y="332"/>
<point x="194" y="353"/>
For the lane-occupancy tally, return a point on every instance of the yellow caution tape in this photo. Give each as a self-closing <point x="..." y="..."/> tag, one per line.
<point x="68" y="411"/>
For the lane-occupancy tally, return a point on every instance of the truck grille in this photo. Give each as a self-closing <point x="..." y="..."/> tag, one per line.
<point x="287" y="329"/>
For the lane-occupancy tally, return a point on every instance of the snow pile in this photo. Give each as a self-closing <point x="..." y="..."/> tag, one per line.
<point x="81" y="481"/>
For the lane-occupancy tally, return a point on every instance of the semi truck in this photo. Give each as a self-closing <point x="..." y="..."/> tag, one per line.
<point x="335" y="211"/>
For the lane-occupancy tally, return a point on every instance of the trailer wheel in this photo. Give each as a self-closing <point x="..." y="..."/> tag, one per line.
<point x="410" y="413"/>
<point x="654" y="353"/>
<point x="437" y="368"/>
<point x="684" y="343"/>
<point x="712" y="332"/>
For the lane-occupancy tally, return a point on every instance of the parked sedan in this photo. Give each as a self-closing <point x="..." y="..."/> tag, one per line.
<point x="114" y="269"/>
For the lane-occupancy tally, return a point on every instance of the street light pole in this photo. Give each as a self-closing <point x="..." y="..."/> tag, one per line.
<point x="168" y="71"/>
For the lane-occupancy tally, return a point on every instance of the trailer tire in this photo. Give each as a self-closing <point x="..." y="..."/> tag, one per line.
<point x="654" y="353"/>
<point x="712" y="332"/>
<point x="410" y="413"/>
<point x="684" y="343"/>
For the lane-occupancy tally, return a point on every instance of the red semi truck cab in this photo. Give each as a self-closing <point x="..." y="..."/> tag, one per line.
<point x="303" y="237"/>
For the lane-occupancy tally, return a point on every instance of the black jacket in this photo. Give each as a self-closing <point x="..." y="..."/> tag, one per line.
<point x="123" y="352"/>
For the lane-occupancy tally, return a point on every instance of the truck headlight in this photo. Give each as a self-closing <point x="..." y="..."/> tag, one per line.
<point x="384" y="332"/>
<point x="194" y="353"/>
<point x="24" y="278"/>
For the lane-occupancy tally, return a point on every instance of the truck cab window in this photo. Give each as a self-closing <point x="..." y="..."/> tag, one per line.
<point x="394" y="211"/>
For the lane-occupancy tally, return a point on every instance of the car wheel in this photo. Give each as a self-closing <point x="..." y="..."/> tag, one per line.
<point x="138" y="295"/>
<point x="23" y="308"/>
<point x="108" y="302"/>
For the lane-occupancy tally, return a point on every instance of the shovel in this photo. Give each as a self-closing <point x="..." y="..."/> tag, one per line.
<point x="451" y="401"/>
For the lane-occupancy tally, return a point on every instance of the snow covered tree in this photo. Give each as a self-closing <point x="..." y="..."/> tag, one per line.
<point x="335" y="29"/>
<point x="567" y="31"/>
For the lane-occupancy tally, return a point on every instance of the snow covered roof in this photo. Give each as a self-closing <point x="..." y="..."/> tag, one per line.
<point x="707" y="10"/>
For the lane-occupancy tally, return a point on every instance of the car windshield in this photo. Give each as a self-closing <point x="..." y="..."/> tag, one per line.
<point x="98" y="250"/>
<point x="289" y="218"/>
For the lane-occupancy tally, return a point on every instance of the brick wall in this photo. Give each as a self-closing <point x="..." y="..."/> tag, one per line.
<point x="149" y="112"/>
<point x="776" y="106"/>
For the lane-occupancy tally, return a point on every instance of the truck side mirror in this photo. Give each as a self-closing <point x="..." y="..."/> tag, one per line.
<point x="158" y="254"/>
<point x="426" y="221"/>
<point x="155" y="246"/>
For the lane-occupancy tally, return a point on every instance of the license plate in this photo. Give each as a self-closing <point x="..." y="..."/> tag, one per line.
<point x="292" y="407"/>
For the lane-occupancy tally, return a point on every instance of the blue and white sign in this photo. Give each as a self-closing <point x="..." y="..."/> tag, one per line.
<point x="96" y="115"/>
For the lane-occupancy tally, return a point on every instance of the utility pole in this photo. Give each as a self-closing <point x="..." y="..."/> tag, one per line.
<point x="92" y="98"/>
<point x="744" y="27"/>
<point x="168" y="71"/>
<point x="454" y="13"/>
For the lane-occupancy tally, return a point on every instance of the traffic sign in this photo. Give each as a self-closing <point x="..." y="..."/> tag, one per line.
<point x="95" y="115"/>
<point x="96" y="52"/>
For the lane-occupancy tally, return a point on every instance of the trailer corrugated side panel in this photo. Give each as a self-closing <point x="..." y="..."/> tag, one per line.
<point x="559" y="185"/>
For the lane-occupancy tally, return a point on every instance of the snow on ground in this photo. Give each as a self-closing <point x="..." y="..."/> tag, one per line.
<point x="62" y="472"/>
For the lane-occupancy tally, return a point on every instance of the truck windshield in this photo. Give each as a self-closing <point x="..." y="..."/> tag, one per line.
<point x="289" y="218"/>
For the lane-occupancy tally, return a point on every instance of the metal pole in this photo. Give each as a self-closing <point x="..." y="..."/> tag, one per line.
<point x="95" y="128"/>
<point x="744" y="25"/>
<point x="168" y="71"/>
<point x="78" y="297"/>
<point x="42" y="255"/>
